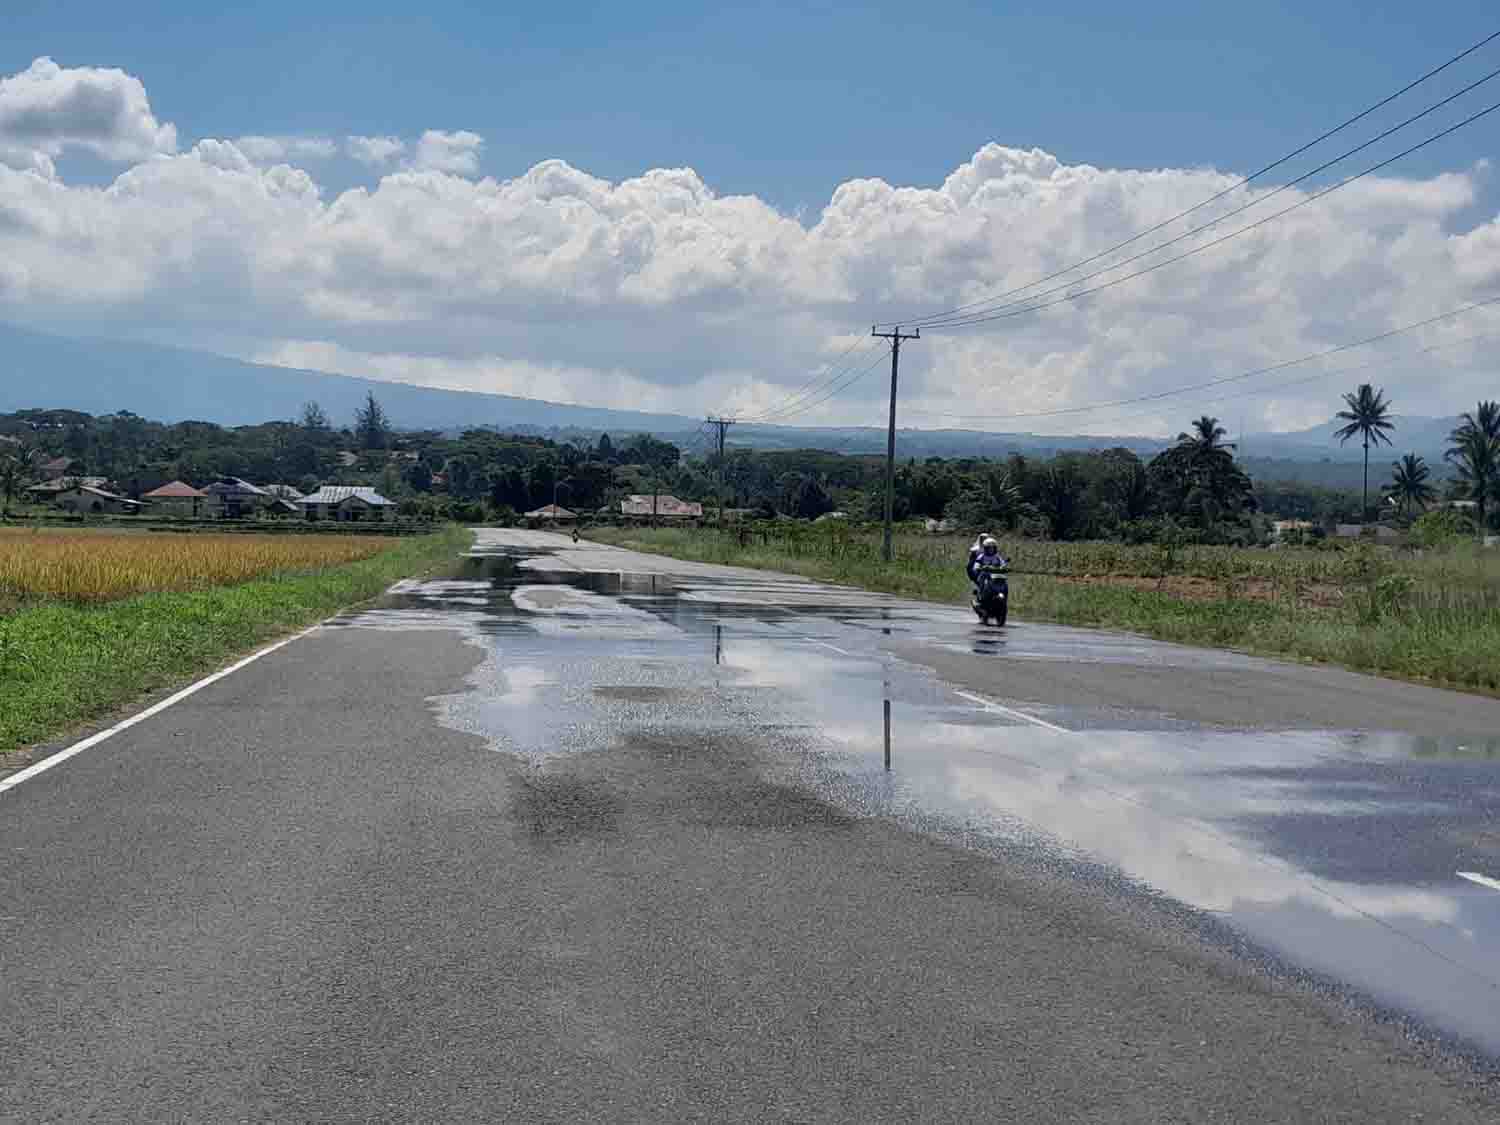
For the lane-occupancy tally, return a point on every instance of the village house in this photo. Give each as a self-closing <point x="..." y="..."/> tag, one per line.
<point x="48" y="491"/>
<point x="347" y="503"/>
<point x="552" y="512"/>
<point x="281" y="500"/>
<point x="660" y="506"/>
<point x="90" y="500"/>
<point x="176" y="499"/>
<point x="230" y="498"/>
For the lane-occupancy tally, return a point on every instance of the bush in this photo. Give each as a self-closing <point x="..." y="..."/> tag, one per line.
<point x="1442" y="527"/>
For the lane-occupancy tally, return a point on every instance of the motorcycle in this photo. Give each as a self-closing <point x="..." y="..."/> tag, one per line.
<point x="991" y="597"/>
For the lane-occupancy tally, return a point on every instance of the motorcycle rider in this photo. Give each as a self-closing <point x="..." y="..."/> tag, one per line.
<point x="984" y="552"/>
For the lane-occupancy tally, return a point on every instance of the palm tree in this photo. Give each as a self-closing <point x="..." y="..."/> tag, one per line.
<point x="1207" y="438"/>
<point x="1474" y="449"/>
<point x="1369" y="416"/>
<point x="1208" y="453"/>
<point x="1409" y="482"/>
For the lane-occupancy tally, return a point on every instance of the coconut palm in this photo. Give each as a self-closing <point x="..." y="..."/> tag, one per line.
<point x="1207" y="439"/>
<point x="1409" y="482"/>
<point x="1474" y="449"/>
<point x="1369" y="416"/>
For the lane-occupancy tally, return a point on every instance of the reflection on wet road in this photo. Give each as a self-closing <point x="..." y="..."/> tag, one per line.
<point x="1334" y="853"/>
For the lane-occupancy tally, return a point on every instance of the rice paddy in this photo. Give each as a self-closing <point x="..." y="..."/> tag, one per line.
<point x="89" y="566"/>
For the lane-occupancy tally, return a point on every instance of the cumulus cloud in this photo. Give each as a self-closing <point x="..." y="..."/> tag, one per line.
<point x="275" y="150"/>
<point x="659" y="292"/>
<point x="458" y="152"/>
<point x="374" y="151"/>
<point x="47" y="109"/>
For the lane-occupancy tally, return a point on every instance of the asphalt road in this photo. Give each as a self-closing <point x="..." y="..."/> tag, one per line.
<point x="582" y="835"/>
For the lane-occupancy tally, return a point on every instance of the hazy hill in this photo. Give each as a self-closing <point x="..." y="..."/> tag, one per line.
<point x="174" y="384"/>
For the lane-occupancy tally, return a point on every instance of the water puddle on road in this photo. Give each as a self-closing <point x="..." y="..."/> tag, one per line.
<point x="1335" y="853"/>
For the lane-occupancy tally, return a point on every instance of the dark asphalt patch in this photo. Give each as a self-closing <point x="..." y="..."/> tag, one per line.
<point x="563" y="809"/>
<point x="637" y="693"/>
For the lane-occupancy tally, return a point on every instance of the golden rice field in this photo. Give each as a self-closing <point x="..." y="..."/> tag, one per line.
<point x="99" y="566"/>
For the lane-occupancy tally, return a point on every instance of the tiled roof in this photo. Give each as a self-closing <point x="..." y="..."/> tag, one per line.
<point x="177" y="490"/>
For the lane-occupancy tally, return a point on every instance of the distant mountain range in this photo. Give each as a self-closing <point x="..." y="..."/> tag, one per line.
<point x="174" y="384"/>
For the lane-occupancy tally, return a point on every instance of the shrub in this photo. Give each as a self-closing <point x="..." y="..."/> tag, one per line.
<point x="1442" y="527"/>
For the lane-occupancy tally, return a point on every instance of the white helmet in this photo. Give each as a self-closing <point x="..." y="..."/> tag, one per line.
<point x="988" y="543"/>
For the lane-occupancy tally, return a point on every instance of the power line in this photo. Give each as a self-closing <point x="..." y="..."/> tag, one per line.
<point x="984" y="319"/>
<point x="817" y="377"/>
<point x="788" y="406"/>
<point x="1158" y="395"/>
<point x="1257" y="391"/>
<point x="848" y="381"/>
<point x="826" y="385"/>
<point x="922" y="320"/>
<point x="993" y="311"/>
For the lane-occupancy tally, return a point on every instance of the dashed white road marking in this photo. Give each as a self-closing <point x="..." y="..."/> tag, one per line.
<point x="991" y="705"/>
<point x="840" y="651"/>
<point x="1482" y="880"/>
<point x="155" y="709"/>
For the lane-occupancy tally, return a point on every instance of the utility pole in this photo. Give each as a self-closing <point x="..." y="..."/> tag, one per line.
<point x="895" y="337"/>
<point x="722" y="424"/>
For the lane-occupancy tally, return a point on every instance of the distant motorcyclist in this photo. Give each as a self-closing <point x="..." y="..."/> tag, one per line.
<point x="986" y="569"/>
<point x="984" y="552"/>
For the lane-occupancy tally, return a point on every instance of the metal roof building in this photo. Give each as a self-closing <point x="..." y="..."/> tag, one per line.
<point x="337" y="493"/>
<point x="661" y="505"/>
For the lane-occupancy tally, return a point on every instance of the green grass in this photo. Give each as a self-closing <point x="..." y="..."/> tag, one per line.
<point x="1441" y="625"/>
<point x="63" y="664"/>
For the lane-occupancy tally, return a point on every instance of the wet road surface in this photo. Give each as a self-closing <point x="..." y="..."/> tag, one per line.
<point x="582" y="834"/>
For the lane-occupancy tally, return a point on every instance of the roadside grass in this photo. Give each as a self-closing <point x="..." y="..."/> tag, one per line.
<point x="63" y="663"/>
<point x="1432" y="619"/>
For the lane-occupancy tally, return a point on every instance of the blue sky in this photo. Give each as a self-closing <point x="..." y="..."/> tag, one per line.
<point x="832" y="167"/>
<point x="782" y="100"/>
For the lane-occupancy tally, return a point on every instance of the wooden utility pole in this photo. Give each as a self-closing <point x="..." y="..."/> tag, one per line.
<point x="722" y="424"/>
<point x="895" y="336"/>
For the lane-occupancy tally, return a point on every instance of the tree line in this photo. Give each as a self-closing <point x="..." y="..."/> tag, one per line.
<point x="1195" y="488"/>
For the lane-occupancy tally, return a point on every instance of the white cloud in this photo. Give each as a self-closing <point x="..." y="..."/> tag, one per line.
<point x="374" y="151"/>
<point x="658" y="292"/>
<point x="458" y="152"/>
<point x="276" y="150"/>
<point x="47" y="109"/>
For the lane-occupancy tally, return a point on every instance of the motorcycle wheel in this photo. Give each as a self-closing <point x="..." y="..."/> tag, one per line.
<point x="1004" y="612"/>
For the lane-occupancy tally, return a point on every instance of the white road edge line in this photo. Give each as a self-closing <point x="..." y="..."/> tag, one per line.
<point x="991" y="705"/>
<point x="155" y="709"/>
<point x="840" y="651"/>
<point x="1482" y="880"/>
